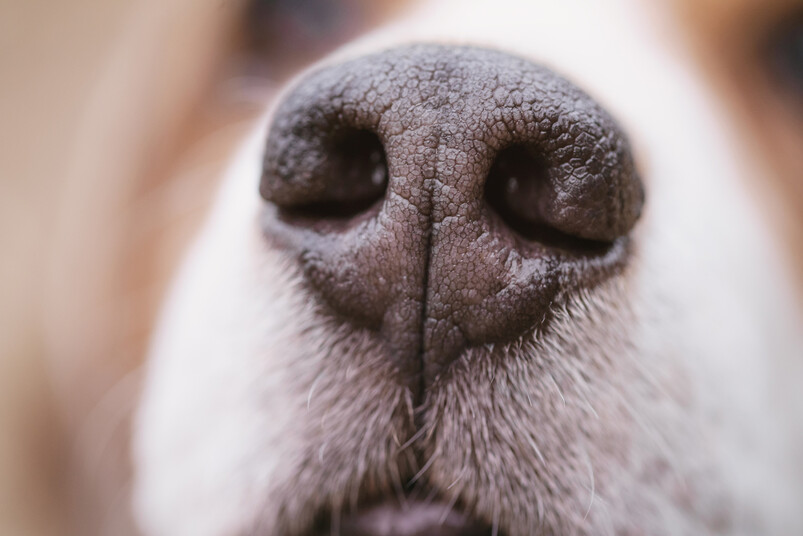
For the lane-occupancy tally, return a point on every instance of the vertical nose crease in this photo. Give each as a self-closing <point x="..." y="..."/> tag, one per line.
<point x="442" y="191"/>
<point x="432" y="115"/>
<point x="419" y="194"/>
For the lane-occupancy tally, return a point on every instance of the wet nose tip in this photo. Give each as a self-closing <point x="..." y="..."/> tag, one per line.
<point x="447" y="197"/>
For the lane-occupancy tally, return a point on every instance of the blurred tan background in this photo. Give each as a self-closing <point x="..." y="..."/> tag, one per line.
<point x="51" y="55"/>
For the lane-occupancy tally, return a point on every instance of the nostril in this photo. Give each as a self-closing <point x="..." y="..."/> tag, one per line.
<point x="516" y="189"/>
<point x="348" y="174"/>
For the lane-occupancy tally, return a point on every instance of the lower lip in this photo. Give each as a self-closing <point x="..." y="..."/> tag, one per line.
<point x="410" y="519"/>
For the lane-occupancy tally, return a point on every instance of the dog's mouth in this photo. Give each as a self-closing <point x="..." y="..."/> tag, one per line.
<point x="409" y="518"/>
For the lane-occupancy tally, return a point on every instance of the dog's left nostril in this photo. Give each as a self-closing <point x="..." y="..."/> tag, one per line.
<point x="517" y="189"/>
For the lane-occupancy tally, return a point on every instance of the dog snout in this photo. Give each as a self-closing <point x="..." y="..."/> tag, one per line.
<point x="447" y="197"/>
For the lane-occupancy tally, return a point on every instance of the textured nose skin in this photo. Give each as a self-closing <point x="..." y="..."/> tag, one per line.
<point x="447" y="197"/>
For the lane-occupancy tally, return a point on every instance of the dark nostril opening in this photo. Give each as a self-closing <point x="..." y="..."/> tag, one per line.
<point x="354" y="173"/>
<point x="516" y="190"/>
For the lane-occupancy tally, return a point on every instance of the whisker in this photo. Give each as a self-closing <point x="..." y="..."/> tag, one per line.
<point x="456" y="480"/>
<point x="593" y="488"/>
<point x="421" y="431"/>
<point x="449" y="506"/>
<point x="423" y="470"/>
<point x="312" y="389"/>
<point x="555" y="383"/>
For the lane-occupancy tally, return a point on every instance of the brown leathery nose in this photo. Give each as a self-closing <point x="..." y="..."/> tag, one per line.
<point x="447" y="196"/>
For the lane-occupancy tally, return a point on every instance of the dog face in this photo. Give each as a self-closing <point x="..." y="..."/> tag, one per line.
<point x="481" y="272"/>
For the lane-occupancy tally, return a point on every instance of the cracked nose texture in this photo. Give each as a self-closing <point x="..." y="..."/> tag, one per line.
<point x="447" y="197"/>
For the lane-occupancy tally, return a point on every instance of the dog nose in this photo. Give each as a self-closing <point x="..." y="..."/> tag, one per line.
<point x="447" y="197"/>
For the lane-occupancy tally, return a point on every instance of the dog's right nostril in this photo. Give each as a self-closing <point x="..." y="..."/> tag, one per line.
<point x="343" y="172"/>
